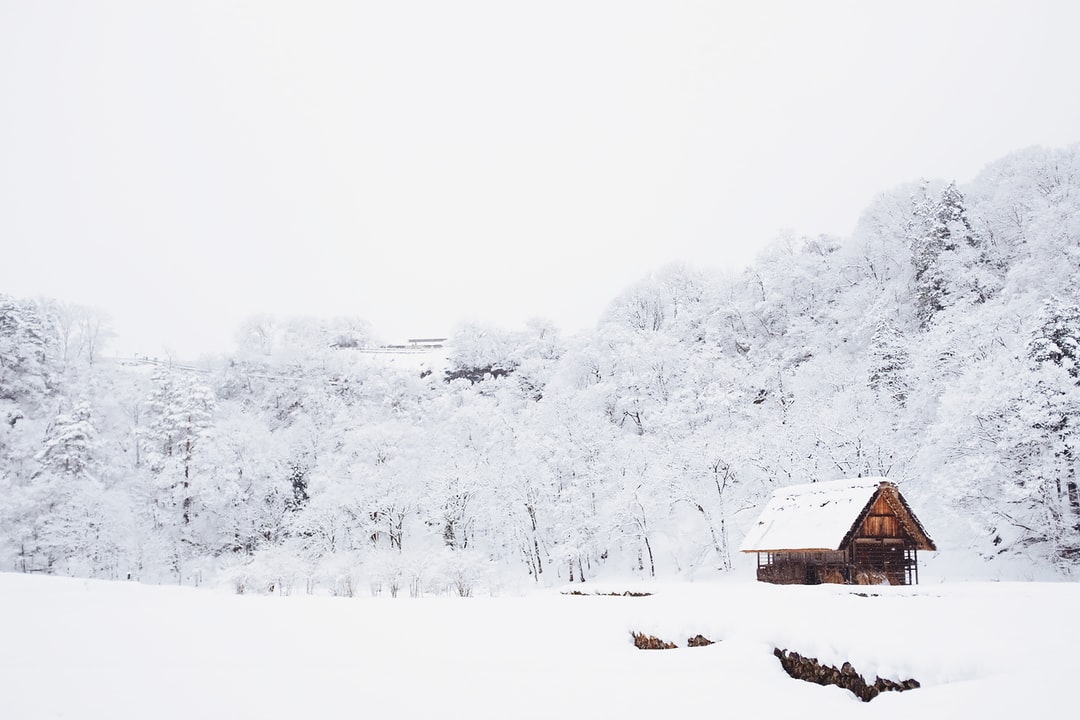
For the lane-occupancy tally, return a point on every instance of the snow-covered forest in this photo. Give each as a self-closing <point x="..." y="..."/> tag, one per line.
<point x="938" y="346"/>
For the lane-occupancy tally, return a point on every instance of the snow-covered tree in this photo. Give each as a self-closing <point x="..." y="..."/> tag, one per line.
<point x="70" y="443"/>
<point x="1057" y="337"/>
<point x="27" y="348"/>
<point x="888" y="359"/>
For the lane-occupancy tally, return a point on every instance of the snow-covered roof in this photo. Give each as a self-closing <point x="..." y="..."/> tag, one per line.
<point x="816" y="516"/>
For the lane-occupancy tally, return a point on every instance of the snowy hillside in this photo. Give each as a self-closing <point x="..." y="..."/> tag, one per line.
<point x="938" y="346"/>
<point x="93" y="649"/>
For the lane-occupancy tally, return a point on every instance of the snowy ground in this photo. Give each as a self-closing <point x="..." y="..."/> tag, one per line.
<point x="89" y="649"/>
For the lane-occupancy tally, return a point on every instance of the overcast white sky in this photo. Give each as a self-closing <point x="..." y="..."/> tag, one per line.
<point x="182" y="165"/>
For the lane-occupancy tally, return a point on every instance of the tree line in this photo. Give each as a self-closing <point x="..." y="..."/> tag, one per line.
<point x="938" y="345"/>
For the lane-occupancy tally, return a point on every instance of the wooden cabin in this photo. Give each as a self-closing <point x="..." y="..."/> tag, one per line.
<point x="858" y="531"/>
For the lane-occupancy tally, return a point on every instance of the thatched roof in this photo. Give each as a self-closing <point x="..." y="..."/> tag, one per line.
<point x="825" y="516"/>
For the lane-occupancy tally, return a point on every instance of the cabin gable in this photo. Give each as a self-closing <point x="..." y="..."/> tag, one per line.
<point x="881" y="521"/>
<point x="888" y="517"/>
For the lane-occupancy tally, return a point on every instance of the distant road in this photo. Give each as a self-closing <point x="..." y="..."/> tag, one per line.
<point x="208" y="366"/>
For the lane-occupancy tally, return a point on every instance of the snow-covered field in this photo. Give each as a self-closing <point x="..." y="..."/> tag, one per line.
<point x="91" y="649"/>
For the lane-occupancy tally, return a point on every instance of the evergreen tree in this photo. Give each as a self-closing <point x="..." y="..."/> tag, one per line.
<point x="70" y="443"/>
<point x="67" y="531"/>
<point x="940" y="228"/>
<point x="181" y="412"/>
<point x="1057" y="337"/>
<point x="888" y="358"/>
<point x="27" y="348"/>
